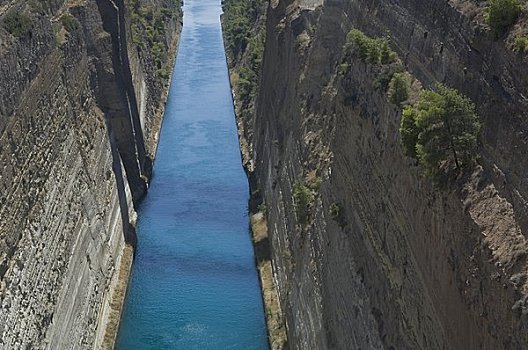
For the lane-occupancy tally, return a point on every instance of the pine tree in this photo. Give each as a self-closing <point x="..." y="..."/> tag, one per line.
<point x="443" y="126"/>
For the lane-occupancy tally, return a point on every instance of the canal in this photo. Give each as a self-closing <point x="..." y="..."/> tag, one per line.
<point x="194" y="283"/>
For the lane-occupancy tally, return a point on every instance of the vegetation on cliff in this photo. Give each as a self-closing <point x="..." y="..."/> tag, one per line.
<point x="375" y="51"/>
<point x="372" y="50"/>
<point x="17" y="24"/>
<point x="399" y="88"/>
<point x="337" y="213"/>
<point x="69" y="22"/>
<point x="441" y="131"/>
<point x="244" y="44"/>
<point x="149" y="22"/>
<point x="501" y="14"/>
<point x="303" y="198"/>
<point x="238" y="22"/>
<point x="521" y="43"/>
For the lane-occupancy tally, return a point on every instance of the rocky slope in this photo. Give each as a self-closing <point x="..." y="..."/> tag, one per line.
<point x="80" y="109"/>
<point x="385" y="258"/>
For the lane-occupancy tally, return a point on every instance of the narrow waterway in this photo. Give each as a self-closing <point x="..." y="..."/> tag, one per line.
<point x="194" y="284"/>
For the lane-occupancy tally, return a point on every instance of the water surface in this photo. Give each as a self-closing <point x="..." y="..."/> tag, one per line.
<point x="194" y="284"/>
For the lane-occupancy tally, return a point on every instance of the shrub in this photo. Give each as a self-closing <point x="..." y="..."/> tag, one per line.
<point x="409" y="131"/>
<point x="336" y="211"/>
<point x="303" y="199"/>
<point x="263" y="208"/>
<point x="441" y="130"/>
<point x="69" y="23"/>
<point x="521" y="42"/>
<point x="501" y="14"/>
<point x="371" y="50"/>
<point x="42" y="6"/>
<point x="398" y="88"/>
<point x="17" y="24"/>
<point x="344" y="68"/>
<point x="315" y="184"/>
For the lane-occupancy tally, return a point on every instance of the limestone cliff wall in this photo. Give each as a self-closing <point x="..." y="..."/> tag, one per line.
<point x="75" y="158"/>
<point x="408" y="265"/>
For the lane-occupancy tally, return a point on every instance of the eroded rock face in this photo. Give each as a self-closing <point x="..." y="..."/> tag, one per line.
<point x="407" y="265"/>
<point x="80" y="109"/>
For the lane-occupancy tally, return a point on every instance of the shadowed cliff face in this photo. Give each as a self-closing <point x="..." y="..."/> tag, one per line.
<point x="406" y="264"/>
<point x="79" y="115"/>
<point x="117" y="99"/>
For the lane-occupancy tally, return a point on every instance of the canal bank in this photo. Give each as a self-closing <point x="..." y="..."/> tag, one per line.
<point x="194" y="282"/>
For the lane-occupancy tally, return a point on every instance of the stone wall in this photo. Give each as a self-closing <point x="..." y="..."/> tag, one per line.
<point x="407" y="265"/>
<point x="74" y="160"/>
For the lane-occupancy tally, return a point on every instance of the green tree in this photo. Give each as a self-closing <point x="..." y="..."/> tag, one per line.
<point x="371" y="50"/>
<point x="521" y="43"/>
<point x="398" y="88"/>
<point x="443" y="126"/>
<point x="18" y="24"/>
<point x="408" y="131"/>
<point x="303" y="199"/>
<point x="501" y="14"/>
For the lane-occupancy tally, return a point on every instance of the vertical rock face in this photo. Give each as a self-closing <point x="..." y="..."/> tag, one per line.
<point x="387" y="259"/>
<point x="80" y="109"/>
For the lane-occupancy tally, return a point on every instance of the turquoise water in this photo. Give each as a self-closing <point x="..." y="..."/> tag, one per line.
<point x="194" y="284"/>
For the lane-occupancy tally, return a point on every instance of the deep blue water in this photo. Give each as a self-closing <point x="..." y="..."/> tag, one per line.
<point x="194" y="284"/>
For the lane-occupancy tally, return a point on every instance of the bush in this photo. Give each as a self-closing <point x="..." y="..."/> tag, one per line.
<point x="315" y="184"/>
<point x="371" y="50"/>
<point x="303" y="199"/>
<point x="17" y="24"/>
<point x="336" y="211"/>
<point x="501" y="14"/>
<point x="344" y="68"/>
<point x="398" y="88"/>
<point x="521" y="42"/>
<point x="441" y="130"/>
<point x="409" y="131"/>
<point x="69" y="23"/>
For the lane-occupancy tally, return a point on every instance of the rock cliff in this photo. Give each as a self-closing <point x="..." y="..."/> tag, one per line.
<point x="386" y="259"/>
<point x="81" y="100"/>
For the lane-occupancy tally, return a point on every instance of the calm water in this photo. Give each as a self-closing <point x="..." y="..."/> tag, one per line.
<point x="194" y="284"/>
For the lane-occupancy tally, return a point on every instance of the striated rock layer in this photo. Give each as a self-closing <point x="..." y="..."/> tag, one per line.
<point x="80" y="111"/>
<point x="405" y="264"/>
